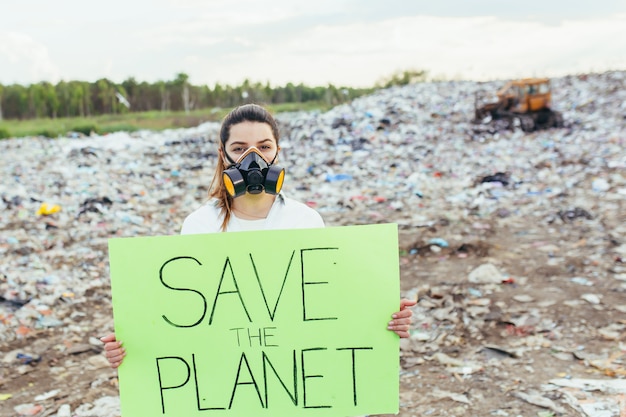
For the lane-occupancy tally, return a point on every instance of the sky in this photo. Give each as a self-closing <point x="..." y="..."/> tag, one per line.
<point x="354" y="43"/>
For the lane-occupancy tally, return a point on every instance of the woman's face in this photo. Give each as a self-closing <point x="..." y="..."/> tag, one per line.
<point x="247" y="134"/>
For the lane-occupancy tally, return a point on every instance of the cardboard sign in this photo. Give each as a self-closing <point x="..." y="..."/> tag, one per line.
<point x="264" y="323"/>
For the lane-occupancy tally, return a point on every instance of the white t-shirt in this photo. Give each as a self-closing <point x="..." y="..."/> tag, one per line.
<point x="284" y="214"/>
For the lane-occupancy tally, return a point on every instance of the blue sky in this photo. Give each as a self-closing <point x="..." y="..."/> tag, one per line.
<point x="344" y="42"/>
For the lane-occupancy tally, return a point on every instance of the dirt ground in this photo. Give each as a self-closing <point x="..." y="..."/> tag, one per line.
<point x="478" y="349"/>
<point x="521" y="286"/>
<point x="533" y="328"/>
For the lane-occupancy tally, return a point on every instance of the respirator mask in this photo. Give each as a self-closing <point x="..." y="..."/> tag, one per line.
<point x="252" y="173"/>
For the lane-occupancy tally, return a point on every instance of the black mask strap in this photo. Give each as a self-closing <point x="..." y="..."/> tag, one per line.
<point x="228" y="156"/>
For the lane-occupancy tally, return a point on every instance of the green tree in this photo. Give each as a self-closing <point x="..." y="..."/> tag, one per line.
<point x="218" y="95"/>
<point x="123" y="105"/>
<point x="82" y="99"/>
<point x="76" y="99"/>
<point x="1" y="97"/>
<point x="404" y="78"/>
<point x="267" y="92"/>
<point x="165" y="95"/>
<point x="106" y="102"/>
<point x="15" y="102"/>
<point x="181" y="86"/>
<point x="131" y="87"/>
<point x="51" y="99"/>
<point x="88" y="98"/>
<point x="37" y="101"/>
<point x="291" y="94"/>
<point x="63" y="93"/>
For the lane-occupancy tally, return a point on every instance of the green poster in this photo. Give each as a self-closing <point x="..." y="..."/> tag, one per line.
<point x="264" y="323"/>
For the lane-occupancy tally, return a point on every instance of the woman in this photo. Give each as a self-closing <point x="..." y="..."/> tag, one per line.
<point x="245" y="195"/>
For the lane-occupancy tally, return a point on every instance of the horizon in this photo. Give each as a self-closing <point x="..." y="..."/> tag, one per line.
<point x="375" y="85"/>
<point x="342" y="42"/>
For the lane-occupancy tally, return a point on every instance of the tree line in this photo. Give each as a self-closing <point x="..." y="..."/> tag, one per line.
<point x="86" y="99"/>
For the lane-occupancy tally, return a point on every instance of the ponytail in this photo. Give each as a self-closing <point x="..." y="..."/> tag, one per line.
<point x="218" y="191"/>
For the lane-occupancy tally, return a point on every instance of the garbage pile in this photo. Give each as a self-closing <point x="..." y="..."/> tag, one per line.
<point x="406" y="155"/>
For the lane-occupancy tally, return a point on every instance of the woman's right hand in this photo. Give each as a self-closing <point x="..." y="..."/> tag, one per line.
<point x="113" y="350"/>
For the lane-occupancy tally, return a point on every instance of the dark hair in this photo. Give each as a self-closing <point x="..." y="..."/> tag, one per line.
<point x="245" y="113"/>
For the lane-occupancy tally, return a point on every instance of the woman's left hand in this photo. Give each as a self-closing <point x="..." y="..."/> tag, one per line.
<point x="401" y="322"/>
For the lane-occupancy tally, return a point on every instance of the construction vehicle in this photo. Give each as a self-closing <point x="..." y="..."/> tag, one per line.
<point x="526" y="103"/>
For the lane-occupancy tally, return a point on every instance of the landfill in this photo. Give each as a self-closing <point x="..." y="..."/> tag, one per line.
<point x="513" y="243"/>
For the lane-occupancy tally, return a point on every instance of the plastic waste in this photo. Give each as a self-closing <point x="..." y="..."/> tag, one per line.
<point x="338" y="177"/>
<point x="47" y="209"/>
<point x="406" y="155"/>
<point x="439" y="242"/>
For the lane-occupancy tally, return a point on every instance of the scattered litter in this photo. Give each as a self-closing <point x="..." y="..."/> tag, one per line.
<point x="439" y="242"/>
<point x="45" y="209"/>
<point x="591" y="298"/>
<point x="485" y="274"/>
<point x="523" y="298"/>
<point x="539" y="400"/>
<point x="28" y="409"/>
<point x="575" y="213"/>
<point x="64" y="411"/>
<point x="104" y="406"/>
<point x="47" y="395"/>
<point x="407" y="155"/>
<point x="461" y="398"/>
<point x="594" y="398"/>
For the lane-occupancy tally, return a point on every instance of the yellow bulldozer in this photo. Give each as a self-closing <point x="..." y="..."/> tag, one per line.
<point x="525" y="103"/>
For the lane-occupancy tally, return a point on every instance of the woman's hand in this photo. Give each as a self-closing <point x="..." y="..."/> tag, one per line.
<point x="113" y="350"/>
<point x="401" y="322"/>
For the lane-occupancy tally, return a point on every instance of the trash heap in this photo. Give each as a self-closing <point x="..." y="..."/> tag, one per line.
<point x="407" y="155"/>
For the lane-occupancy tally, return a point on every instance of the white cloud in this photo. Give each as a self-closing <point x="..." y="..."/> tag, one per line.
<point x="25" y="60"/>
<point x="342" y="42"/>
<point x="478" y="48"/>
